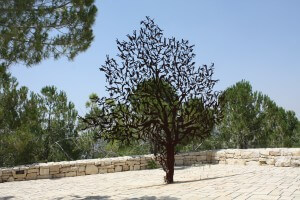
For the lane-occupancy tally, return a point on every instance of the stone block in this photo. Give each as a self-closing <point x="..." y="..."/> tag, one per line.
<point x="73" y="169"/>
<point x="178" y="162"/>
<point x="264" y="152"/>
<point x="275" y="152"/>
<point x="46" y="176"/>
<point x="64" y="169"/>
<point x="31" y="176"/>
<point x="134" y="158"/>
<point x="110" y="170"/>
<point x="44" y="171"/>
<point x="10" y="179"/>
<point x="194" y="153"/>
<point x="70" y="174"/>
<point x="91" y="169"/>
<point x="143" y="162"/>
<point x="5" y="177"/>
<point x="60" y="175"/>
<point x="142" y="158"/>
<point x="7" y="171"/>
<point x="220" y="153"/>
<point x="80" y="163"/>
<point x="125" y="167"/>
<point x="132" y="162"/>
<point x="229" y="155"/>
<point x="73" y="162"/>
<point x="122" y="162"/>
<point x="209" y="153"/>
<point x="190" y="157"/>
<point x="107" y="162"/>
<point x="100" y="163"/>
<point x="35" y="170"/>
<point x="250" y="154"/>
<point x="296" y="152"/>
<point x="81" y="169"/>
<point x="286" y="152"/>
<point x="118" y="168"/>
<point x="80" y="173"/>
<point x="102" y="170"/>
<point x="283" y="162"/>
<point x="131" y="168"/>
<point x="237" y="153"/>
<point x="270" y="161"/>
<point x="295" y="163"/>
<point x="19" y="177"/>
<point x="54" y="168"/>
<point x="110" y="166"/>
<point x="54" y="172"/>
<point x="229" y="151"/>
<point x="65" y="164"/>
<point x="19" y="174"/>
<point x="201" y="158"/>
<point x="136" y="167"/>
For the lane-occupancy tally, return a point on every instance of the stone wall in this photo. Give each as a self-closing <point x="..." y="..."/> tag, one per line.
<point x="279" y="157"/>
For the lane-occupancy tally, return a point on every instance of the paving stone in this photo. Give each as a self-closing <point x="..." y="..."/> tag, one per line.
<point x="236" y="182"/>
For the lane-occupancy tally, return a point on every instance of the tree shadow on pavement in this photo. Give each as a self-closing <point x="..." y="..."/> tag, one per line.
<point x="205" y="179"/>
<point x="96" y="197"/>
<point x="190" y="181"/>
<point x="7" y="197"/>
<point x="182" y="167"/>
<point x="77" y="197"/>
<point x="153" y="198"/>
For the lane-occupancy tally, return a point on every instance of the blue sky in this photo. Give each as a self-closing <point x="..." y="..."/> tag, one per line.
<point x="255" y="40"/>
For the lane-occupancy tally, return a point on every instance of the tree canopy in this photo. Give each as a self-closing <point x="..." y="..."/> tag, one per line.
<point x="33" y="30"/>
<point x="35" y="127"/>
<point x="157" y="94"/>
<point x="253" y="120"/>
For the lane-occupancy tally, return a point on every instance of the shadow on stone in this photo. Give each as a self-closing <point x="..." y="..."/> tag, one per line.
<point x="7" y="198"/>
<point x="95" y="197"/>
<point x="153" y="198"/>
<point x="181" y="167"/>
<point x="205" y="179"/>
<point x="77" y="197"/>
<point x="194" y="165"/>
<point x="191" y="181"/>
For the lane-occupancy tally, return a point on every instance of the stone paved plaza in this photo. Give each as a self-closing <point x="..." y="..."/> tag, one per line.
<point x="198" y="182"/>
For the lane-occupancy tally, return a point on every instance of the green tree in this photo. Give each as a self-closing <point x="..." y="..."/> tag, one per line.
<point x="20" y="125"/>
<point x="280" y="126"/>
<point x="35" y="127"/>
<point x="33" y="30"/>
<point x="93" y="146"/>
<point x="153" y="93"/>
<point x="240" y="127"/>
<point x="59" y="125"/>
<point x="253" y="120"/>
<point x="296" y="137"/>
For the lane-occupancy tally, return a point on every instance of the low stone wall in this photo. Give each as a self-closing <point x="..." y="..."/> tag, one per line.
<point x="279" y="157"/>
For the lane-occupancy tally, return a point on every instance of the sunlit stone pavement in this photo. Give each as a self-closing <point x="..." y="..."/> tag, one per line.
<point x="199" y="182"/>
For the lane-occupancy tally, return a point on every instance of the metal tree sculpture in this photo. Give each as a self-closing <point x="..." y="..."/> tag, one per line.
<point x="157" y="94"/>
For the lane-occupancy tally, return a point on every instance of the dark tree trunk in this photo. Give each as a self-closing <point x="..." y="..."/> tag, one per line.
<point x="170" y="164"/>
